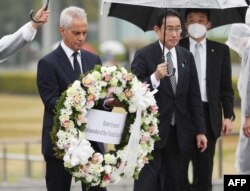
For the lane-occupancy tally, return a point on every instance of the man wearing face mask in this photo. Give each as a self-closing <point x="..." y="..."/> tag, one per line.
<point x="214" y="71"/>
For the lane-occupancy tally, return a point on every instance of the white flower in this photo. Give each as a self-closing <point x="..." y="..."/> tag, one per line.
<point x="74" y="154"/>
<point x="109" y="158"/>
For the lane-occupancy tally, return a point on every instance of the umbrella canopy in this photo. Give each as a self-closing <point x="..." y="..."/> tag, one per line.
<point x="112" y="47"/>
<point x="144" y="16"/>
<point x="217" y="4"/>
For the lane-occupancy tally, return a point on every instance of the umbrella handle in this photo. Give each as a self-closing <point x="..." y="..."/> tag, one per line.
<point x="171" y="74"/>
<point x="32" y="12"/>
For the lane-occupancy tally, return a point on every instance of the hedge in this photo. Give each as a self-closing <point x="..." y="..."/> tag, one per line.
<point x="18" y="83"/>
<point x="25" y="83"/>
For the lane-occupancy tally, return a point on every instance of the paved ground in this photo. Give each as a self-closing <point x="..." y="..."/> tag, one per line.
<point x="39" y="185"/>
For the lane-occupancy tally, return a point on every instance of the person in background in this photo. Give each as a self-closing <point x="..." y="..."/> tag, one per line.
<point x="179" y="102"/>
<point x="239" y="41"/>
<point x="55" y="72"/>
<point x="214" y="71"/>
<point x="10" y="44"/>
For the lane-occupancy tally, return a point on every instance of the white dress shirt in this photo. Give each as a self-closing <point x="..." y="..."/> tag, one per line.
<point x="203" y="55"/>
<point x="9" y="44"/>
<point x="154" y="81"/>
<point x="69" y="52"/>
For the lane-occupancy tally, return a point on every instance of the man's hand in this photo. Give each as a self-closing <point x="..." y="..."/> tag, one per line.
<point x="246" y="126"/>
<point x="201" y="140"/>
<point x="227" y="127"/>
<point x="41" y="16"/>
<point x="161" y="71"/>
<point x="112" y="102"/>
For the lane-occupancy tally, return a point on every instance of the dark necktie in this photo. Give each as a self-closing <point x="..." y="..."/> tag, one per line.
<point x="77" y="68"/>
<point x="170" y="67"/>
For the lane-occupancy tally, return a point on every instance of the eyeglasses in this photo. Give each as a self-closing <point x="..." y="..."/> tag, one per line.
<point x="171" y="31"/>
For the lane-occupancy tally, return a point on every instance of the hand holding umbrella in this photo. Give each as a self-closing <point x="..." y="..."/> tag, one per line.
<point x="38" y="15"/>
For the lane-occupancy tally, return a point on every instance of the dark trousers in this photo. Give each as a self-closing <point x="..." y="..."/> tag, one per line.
<point x="59" y="179"/>
<point x="165" y="171"/>
<point x="203" y="162"/>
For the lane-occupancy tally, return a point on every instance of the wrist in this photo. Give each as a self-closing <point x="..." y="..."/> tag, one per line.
<point x="34" y="25"/>
<point x="157" y="77"/>
<point x="105" y="105"/>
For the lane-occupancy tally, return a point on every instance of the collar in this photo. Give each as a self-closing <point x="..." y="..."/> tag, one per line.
<point x="68" y="50"/>
<point x="193" y="42"/>
<point x="172" y="50"/>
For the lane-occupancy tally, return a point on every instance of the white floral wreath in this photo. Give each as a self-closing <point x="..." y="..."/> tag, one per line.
<point x="131" y="154"/>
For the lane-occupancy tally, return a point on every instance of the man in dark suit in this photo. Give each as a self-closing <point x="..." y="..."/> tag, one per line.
<point x="214" y="69"/>
<point x="56" y="71"/>
<point x="179" y="102"/>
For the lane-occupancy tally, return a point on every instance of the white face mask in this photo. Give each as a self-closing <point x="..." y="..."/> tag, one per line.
<point x="197" y="30"/>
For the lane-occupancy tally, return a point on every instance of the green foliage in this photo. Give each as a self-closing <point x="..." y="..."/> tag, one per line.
<point x="25" y="83"/>
<point x="234" y="56"/>
<point x="18" y="83"/>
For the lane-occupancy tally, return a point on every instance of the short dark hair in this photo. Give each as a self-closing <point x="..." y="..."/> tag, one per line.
<point x="194" y="10"/>
<point x="165" y="13"/>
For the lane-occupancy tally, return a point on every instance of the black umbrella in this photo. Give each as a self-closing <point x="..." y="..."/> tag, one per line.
<point x="144" y="16"/>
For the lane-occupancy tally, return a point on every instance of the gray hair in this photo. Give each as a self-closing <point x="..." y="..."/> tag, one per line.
<point x="69" y="13"/>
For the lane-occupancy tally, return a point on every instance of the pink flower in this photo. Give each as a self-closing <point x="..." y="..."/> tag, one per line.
<point x="67" y="124"/>
<point x="91" y="97"/>
<point x="81" y="119"/>
<point x="152" y="129"/>
<point x="87" y="82"/>
<point x="77" y="99"/>
<point x="144" y="139"/>
<point x="128" y="76"/>
<point x="111" y="90"/>
<point x="106" y="77"/>
<point x="96" y="158"/>
<point x="128" y="93"/>
<point x="154" y="108"/>
<point x="106" y="177"/>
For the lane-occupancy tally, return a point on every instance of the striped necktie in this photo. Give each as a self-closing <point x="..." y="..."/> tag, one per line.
<point x="170" y="67"/>
<point x="172" y="78"/>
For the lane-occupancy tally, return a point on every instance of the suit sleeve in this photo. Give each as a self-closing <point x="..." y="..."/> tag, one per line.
<point x="47" y="84"/>
<point x="140" y="69"/>
<point x="227" y="93"/>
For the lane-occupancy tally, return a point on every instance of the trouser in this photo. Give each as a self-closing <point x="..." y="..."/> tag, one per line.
<point x="203" y="161"/>
<point x="166" y="171"/>
<point x="59" y="179"/>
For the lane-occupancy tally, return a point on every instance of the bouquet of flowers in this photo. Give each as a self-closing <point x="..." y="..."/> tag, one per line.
<point x="139" y="136"/>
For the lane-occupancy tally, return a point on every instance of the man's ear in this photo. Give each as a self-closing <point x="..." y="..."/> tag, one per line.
<point x="155" y="28"/>
<point x="209" y="25"/>
<point x="186" y="26"/>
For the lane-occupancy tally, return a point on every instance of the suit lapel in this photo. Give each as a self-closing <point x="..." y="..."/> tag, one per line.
<point x="65" y="64"/>
<point x="211" y="62"/>
<point x="181" y="68"/>
<point x="84" y="61"/>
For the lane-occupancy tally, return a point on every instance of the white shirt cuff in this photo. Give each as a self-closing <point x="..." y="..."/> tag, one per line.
<point x="154" y="81"/>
